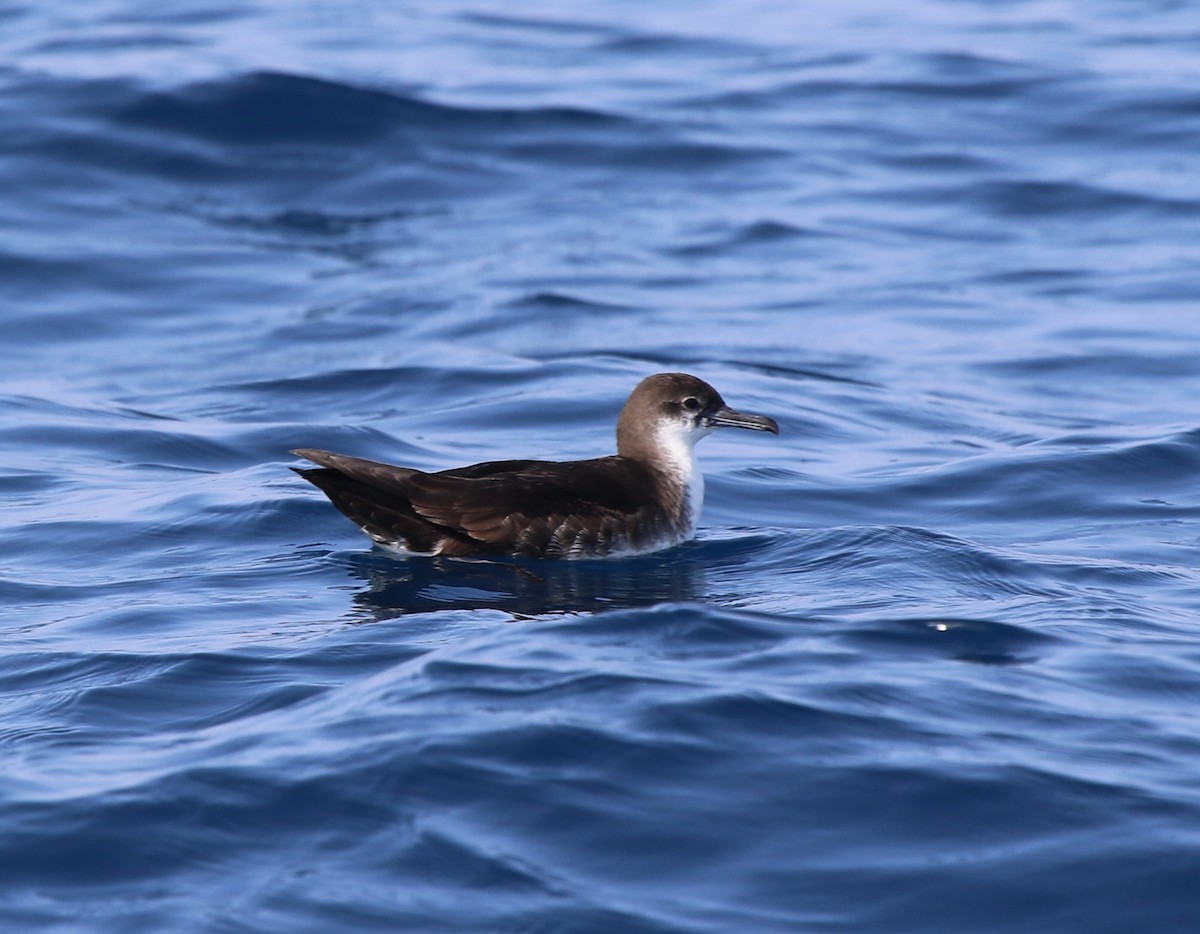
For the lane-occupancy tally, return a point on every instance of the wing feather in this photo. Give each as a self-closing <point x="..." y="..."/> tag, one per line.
<point x="526" y="507"/>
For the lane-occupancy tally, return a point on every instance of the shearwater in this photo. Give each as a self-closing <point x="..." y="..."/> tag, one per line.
<point x="644" y="498"/>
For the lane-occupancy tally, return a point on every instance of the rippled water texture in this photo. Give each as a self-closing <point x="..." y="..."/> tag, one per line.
<point x="933" y="662"/>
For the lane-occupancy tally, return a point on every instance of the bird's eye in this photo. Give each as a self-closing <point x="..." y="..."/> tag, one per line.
<point x="691" y="404"/>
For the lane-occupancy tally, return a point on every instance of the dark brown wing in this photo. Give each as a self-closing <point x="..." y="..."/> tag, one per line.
<point x="545" y="508"/>
<point x="384" y="477"/>
<point x="489" y="468"/>
<point x="537" y="508"/>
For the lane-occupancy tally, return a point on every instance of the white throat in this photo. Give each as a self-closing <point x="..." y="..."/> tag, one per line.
<point x="676" y="446"/>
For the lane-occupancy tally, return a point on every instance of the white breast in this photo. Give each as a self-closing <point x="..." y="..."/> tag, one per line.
<point x="677" y="450"/>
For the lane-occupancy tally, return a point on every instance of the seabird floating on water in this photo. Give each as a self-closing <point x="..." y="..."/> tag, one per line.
<point x="644" y="498"/>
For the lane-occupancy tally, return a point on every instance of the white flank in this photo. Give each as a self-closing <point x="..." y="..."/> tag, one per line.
<point x="398" y="548"/>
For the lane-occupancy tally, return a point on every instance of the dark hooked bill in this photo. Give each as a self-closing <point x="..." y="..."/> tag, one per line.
<point x="725" y="417"/>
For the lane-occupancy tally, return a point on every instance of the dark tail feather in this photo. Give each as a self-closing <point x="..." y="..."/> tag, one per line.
<point x="390" y="522"/>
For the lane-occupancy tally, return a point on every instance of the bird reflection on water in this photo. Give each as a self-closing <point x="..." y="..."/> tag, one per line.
<point x="526" y="587"/>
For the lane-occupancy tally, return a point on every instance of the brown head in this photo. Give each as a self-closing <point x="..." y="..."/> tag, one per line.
<point x="670" y="410"/>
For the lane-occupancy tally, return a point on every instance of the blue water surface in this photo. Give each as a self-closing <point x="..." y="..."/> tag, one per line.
<point x="932" y="663"/>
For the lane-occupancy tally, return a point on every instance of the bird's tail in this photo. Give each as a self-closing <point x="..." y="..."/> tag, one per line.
<point x="373" y="498"/>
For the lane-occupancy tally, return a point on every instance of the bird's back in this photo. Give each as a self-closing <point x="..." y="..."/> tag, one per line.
<point x="609" y="505"/>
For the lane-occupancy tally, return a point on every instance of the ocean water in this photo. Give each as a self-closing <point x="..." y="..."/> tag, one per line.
<point x="933" y="661"/>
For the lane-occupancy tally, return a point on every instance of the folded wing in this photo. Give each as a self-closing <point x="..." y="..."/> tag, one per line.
<point x="537" y="508"/>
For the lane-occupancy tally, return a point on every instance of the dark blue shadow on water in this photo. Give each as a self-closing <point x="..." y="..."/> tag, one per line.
<point x="524" y="587"/>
